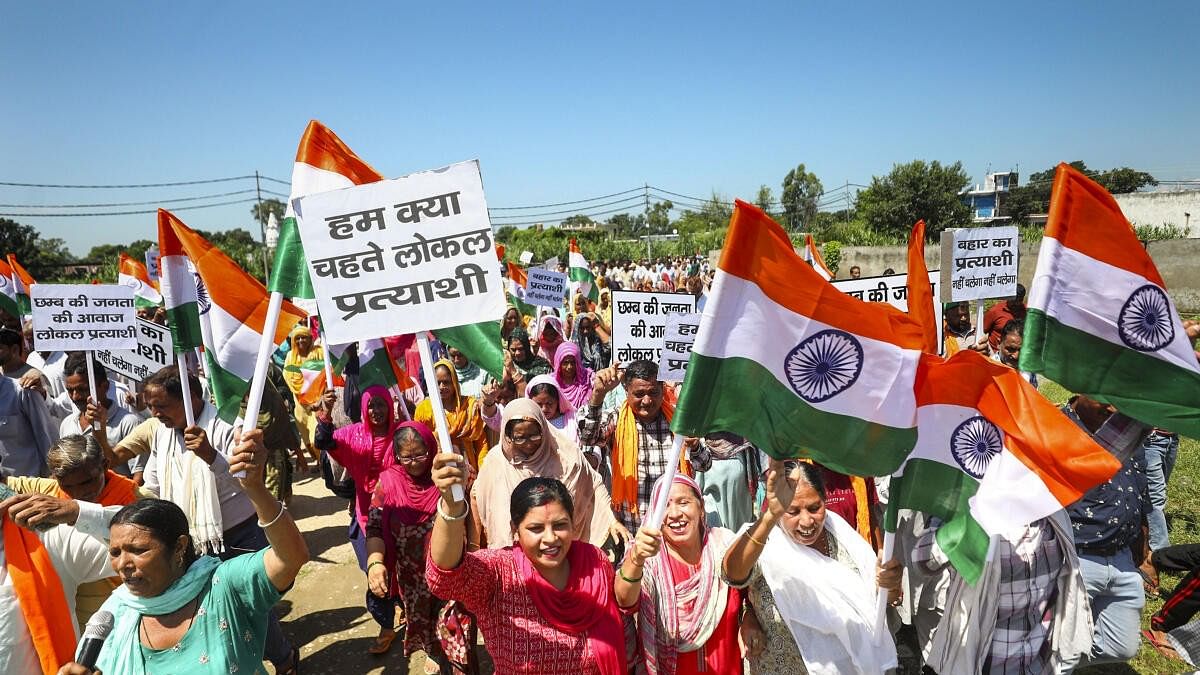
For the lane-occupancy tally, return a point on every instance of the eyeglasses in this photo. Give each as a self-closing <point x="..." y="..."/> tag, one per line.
<point x="524" y="440"/>
<point x="415" y="459"/>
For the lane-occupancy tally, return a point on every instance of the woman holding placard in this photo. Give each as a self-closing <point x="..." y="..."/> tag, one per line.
<point x="467" y="417"/>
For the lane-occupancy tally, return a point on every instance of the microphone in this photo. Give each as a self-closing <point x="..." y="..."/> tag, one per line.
<point x="94" y="635"/>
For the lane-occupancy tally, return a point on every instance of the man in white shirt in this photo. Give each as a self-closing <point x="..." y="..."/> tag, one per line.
<point x="116" y="421"/>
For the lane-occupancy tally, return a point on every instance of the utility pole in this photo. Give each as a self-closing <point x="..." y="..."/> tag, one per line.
<point x="262" y="229"/>
<point x="847" y="201"/>
<point x="646" y="196"/>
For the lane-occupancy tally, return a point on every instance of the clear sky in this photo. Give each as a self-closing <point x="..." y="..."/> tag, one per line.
<point x="570" y="100"/>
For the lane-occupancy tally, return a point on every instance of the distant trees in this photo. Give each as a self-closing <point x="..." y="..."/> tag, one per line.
<point x="801" y="192"/>
<point x="1034" y="196"/>
<point x="915" y="191"/>
<point x="42" y="258"/>
<point x="262" y="210"/>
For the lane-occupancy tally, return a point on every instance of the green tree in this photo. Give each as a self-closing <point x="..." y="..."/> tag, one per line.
<point x="577" y="220"/>
<point x="801" y="190"/>
<point x="765" y="200"/>
<point x="914" y="191"/>
<point x="1034" y="197"/>
<point x="262" y="210"/>
<point x="42" y="258"/>
<point x="659" y="217"/>
<point x="625" y="225"/>
<point x="241" y="247"/>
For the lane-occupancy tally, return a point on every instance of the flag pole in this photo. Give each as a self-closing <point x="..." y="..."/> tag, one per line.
<point x="979" y="322"/>
<point x="185" y="378"/>
<point x="91" y="369"/>
<point x="659" y="508"/>
<point x="266" y="345"/>
<point x="889" y="549"/>
<point x="435" y="400"/>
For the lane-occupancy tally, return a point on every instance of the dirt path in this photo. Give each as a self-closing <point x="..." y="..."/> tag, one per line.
<point x="324" y="613"/>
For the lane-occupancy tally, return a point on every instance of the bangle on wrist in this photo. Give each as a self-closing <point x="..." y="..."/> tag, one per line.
<point x="372" y="564"/>
<point x="449" y="518"/>
<point x="751" y="538"/>
<point x="282" y="508"/>
<point x="621" y="572"/>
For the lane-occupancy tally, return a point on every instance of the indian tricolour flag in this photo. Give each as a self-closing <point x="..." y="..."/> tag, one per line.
<point x="323" y="163"/>
<point x="813" y="257"/>
<point x="313" y="383"/>
<point x="580" y="274"/>
<point x="518" y="280"/>
<point x="992" y="456"/>
<point x="233" y="303"/>
<point x="800" y="368"/>
<point x="8" y="291"/>
<point x="21" y="281"/>
<point x="133" y="274"/>
<point x="1100" y="321"/>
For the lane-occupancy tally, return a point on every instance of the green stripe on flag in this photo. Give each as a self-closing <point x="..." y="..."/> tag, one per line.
<point x="739" y="395"/>
<point x="184" y="321"/>
<point x="582" y="275"/>
<point x="9" y="304"/>
<point x="289" y="272"/>
<point x="228" y="389"/>
<point x="524" y="308"/>
<point x="942" y="491"/>
<point x="143" y="303"/>
<point x="23" y="305"/>
<point x="1141" y="386"/>
<point x="479" y="342"/>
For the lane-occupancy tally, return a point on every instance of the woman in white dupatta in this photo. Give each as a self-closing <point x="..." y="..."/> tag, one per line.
<point x="813" y="583"/>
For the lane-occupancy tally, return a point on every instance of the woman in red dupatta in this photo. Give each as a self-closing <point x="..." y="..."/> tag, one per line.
<point x="689" y="616"/>
<point x="398" y="525"/>
<point x="545" y="605"/>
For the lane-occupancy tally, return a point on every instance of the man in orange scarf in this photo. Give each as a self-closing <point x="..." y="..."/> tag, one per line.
<point x="639" y="437"/>
<point x="40" y="571"/>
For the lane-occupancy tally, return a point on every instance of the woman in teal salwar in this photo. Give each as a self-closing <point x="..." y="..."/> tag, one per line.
<point x="177" y="612"/>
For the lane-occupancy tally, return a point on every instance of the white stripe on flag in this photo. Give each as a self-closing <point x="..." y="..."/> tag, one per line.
<point x="1073" y="297"/>
<point x="308" y="180"/>
<point x="746" y="323"/>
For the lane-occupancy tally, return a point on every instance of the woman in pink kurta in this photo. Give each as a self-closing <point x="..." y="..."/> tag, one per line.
<point x="544" y="605"/>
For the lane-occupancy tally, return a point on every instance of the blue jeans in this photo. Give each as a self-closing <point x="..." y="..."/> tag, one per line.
<point x="1114" y="588"/>
<point x="1161" y="449"/>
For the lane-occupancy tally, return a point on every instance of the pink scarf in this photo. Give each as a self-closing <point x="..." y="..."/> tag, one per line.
<point x="364" y="453"/>
<point x="578" y="391"/>
<point x="547" y="349"/>
<point x="401" y="497"/>
<point x="565" y="408"/>
<point x="587" y="605"/>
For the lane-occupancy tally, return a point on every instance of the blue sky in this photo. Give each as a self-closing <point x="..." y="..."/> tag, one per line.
<point x="565" y="101"/>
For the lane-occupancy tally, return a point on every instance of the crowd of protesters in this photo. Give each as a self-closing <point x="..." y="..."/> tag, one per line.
<point x="759" y="566"/>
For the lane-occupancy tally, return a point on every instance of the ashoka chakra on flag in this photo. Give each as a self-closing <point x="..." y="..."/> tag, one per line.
<point x="1146" y="322"/>
<point x="824" y="365"/>
<point x="974" y="443"/>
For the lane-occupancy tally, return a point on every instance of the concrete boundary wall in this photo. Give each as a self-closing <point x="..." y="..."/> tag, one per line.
<point x="1178" y="261"/>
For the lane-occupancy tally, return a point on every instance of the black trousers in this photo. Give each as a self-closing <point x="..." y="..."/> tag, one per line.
<point x="1184" y="601"/>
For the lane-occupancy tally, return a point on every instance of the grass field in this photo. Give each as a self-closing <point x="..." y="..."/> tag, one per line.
<point x="1183" y="518"/>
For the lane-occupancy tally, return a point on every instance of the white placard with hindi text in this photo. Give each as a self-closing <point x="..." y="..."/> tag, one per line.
<point x="526" y="257"/>
<point x="69" y="317"/>
<point x="640" y="322"/>
<point x="402" y="256"/>
<point x="152" y="354"/>
<point x="979" y="262"/>
<point x="892" y="289"/>
<point x="680" y="335"/>
<point x="545" y="288"/>
<point x="152" y="263"/>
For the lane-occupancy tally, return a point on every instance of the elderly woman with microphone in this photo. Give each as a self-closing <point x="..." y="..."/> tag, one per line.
<point x="177" y="611"/>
